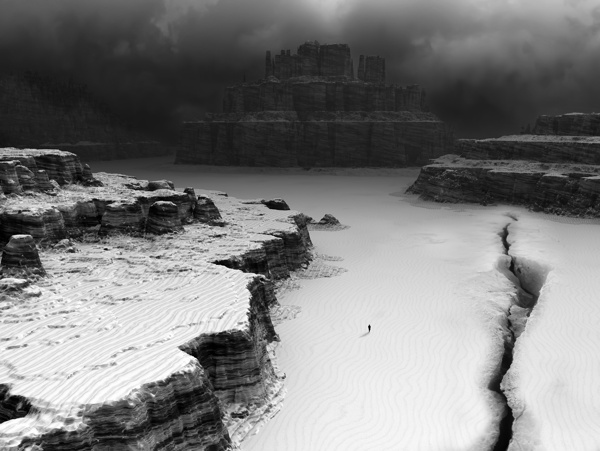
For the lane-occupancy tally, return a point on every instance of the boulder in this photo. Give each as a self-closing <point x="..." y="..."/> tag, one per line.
<point x="276" y="204"/>
<point x="160" y="184"/>
<point x="328" y="219"/>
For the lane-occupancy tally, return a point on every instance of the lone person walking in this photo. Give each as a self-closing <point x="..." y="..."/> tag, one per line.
<point x="369" y="328"/>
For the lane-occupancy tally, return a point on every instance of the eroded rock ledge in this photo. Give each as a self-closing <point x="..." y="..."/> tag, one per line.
<point x="554" y="188"/>
<point x="556" y="170"/>
<point x="134" y="339"/>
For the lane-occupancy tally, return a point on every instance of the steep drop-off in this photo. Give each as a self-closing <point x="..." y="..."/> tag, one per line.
<point x="556" y="170"/>
<point x="133" y="337"/>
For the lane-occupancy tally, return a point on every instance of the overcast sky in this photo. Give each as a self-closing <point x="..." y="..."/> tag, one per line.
<point x="488" y="66"/>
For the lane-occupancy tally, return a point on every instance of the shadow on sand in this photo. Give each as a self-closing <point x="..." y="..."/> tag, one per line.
<point x="364" y="335"/>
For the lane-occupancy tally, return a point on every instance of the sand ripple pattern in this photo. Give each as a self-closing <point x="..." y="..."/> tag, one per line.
<point x="112" y="317"/>
<point x="89" y="331"/>
<point x="418" y="380"/>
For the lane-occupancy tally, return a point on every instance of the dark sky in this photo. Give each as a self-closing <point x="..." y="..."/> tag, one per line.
<point x="488" y="66"/>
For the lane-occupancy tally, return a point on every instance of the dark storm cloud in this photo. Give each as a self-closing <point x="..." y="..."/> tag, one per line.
<point x="488" y="67"/>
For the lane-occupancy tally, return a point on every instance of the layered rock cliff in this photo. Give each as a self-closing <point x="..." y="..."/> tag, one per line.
<point x="309" y="110"/>
<point x="555" y="170"/>
<point x="39" y="112"/>
<point x="572" y="124"/>
<point x="139" y="337"/>
<point x="553" y="188"/>
<point x="540" y="148"/>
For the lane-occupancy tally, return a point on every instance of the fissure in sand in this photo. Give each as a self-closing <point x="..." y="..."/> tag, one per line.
<point x="524" y="300"/>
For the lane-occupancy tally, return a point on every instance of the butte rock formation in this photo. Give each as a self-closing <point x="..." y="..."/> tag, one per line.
<point x="135" y="316"/>
<point x="556" y="169"/>
<point x="311" y="111"/>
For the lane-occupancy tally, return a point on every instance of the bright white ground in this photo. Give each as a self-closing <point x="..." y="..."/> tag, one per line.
<point x="425" y="276"/>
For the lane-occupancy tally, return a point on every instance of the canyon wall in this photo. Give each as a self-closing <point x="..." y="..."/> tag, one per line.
<point x="572" y="124"/>
<point x="540" y="148"/>
<point x="553" y="188"/>
<point x="194" y="270"/>
<point x="311" y="111"/>
<point x="42" y="113"/>
<point x="349" y="143"/>
<point x="556" y="170"/>
<point x="305" y="95"/>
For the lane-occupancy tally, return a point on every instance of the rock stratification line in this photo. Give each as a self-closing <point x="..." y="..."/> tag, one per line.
<point x="555" y="170"/>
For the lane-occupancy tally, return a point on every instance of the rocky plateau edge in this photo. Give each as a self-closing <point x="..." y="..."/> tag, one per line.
<point x="148" y="326"/>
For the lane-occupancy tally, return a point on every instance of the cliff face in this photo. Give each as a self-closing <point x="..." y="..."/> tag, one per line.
<point x="42" y="113"/>
<point x="314" y="143"/>
<point x="164" y="337"/>
<point x="556" y="170"/>
<point x="553" y="188"/>
<point x="573" y="124"/>
<point x="321" y="94"/>
<point x="310" y="111"/>
<point x="540" y="148"/>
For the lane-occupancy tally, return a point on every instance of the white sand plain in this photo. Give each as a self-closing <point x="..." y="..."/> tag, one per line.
<point x="429" y="278"/>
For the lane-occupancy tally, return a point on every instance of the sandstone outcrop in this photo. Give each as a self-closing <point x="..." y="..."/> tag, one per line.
<point x="164" y="338"/>
<point x="572" y="124"/>
<point x="63" y="167"/>
<point x="43" y="113"/>
<point x="540" y="148"/>
<point x="555" y="170"/>
<point x="206" y="211"/>
<point x="123" y="217"/>
<point x="43" y="181"/>
<point x="20" y="256"/>
<point x="327" y="223"/>
<point x="310" y="110"/>
<point x="563" y="189"/>
<point x="160" y="184"/>
<point x="41" y="222"/>
<point x="163" y="217"/>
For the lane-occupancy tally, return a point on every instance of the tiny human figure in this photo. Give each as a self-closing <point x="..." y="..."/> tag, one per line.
<point x="369" y="328"/>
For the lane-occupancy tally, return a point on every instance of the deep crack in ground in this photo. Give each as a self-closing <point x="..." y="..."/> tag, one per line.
<point x="527" y="300"/>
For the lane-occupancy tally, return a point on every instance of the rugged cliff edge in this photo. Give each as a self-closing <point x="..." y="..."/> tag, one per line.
<point x="555" y="170"/>
<point x="310" y="111"/>
<point x="151" y="328"/>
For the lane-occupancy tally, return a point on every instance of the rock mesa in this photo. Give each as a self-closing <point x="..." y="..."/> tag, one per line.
<point x="310" y="110"/>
